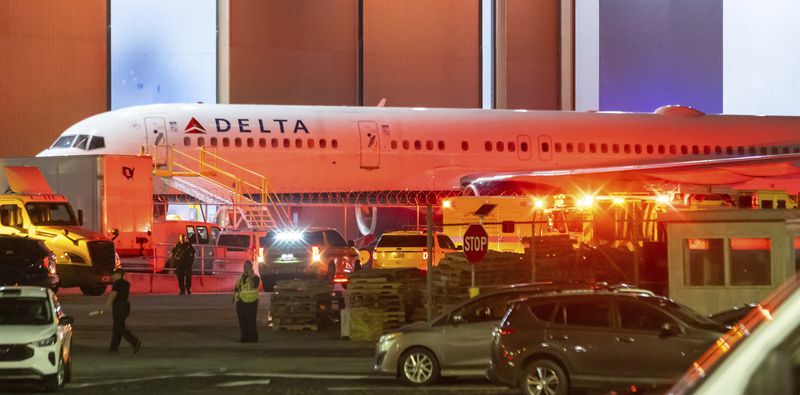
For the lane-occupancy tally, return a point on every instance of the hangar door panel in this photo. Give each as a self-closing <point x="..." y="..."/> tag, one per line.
<point x="370" y="145"/>
<point x="156" y="138"/>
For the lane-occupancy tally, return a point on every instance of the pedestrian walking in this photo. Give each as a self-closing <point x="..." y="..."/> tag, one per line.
<point x="120" y="309"/>
<point x="182" y="257"/>
<point x="246" y="297"/>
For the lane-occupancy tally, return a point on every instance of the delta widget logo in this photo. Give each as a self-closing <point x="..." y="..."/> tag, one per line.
<point x="194" y="127"/>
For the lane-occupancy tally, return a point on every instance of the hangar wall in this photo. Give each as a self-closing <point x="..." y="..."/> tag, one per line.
<point x="293" y="52"/>
<point x="53" y="67"/>
<point x="419" y="53"/>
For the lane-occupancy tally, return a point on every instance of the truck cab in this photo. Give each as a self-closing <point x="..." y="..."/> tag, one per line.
<point x="84" y="258"/>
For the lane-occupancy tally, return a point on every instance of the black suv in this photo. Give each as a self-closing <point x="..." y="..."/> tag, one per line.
<point x="25" y="261"/>
<point x="551" y="343"/>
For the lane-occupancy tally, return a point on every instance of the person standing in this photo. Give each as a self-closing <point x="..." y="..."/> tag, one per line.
<point x="182" y="257"/>
<point x="121" y="308"/>
<point x="246" y="297"/>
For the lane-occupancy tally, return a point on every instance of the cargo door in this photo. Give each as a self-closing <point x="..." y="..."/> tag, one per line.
<point x="545" y="147"/>
<point x="524" y="147"/>
<point x="156" y="138"/>
<point x="369" y="143"/>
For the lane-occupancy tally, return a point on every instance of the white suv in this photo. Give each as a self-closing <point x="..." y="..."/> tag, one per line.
<point x="35" y="337"/>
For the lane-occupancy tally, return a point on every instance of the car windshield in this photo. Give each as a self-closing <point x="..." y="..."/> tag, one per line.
<point x="400" y="241"/>
<point x="53" y="214"/>
<point x="24" y="311"/>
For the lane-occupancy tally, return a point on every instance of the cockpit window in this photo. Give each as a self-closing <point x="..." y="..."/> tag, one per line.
<point x="81" y="141"/>
<point x="64" y="142"/>
<point x="97" y="142"/>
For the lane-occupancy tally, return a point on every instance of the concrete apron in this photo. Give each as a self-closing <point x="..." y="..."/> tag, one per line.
<point x="149" y="283"/>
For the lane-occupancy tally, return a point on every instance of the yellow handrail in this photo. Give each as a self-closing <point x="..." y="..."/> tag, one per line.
<point x="204" y="167"/>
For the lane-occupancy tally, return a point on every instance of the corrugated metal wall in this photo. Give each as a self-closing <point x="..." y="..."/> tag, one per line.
<point x="52" y="69"/>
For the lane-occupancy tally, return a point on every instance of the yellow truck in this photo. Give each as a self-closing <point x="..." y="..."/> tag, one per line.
<point x="29" y="208"/>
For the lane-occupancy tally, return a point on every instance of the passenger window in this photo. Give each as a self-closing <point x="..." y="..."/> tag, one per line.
<point x="604" y="148"/>
<point x="213" y="141"/>
<point x="201" y="141"/>
<point x="190" y="234"/>
<point x="225" y="142"/>
<point x="394" y="144"/>
<point x="464" y="146"/>
<point x="673" y="149"/>
<point x="429" y="145"/>
<point x="500" y="147"/>
<point x="661" y="149"/>
<point x="795" y="150"/>
<point x="202" y="234"/>
<point x="543" y="312"/>
<point x="581" y="147"/>
<point x="250" y="142"/>
<point x="298" y="143"/>
<point x="488" y="146"/>
<point x="695" y="150"/>
<point x="650" y="149"/>
<point x="569" y="147"/>
<point x="718" y="150"/>
<point x="484" y="310"/>
<point x="640" y="317"/>
<point x="740" y="150"/>
<point x="590" y="313"/>
<point x="751" y="150"/>
<point x="10" y="215"/>
<point x="558" y="147"/>
<point x="626" y="148"/>
<point x="512" y="147"/>
<point x="763" y="150"/>
<point x="637" y="148"/>
<point x="440" y="145"/>
<point x="615" y="148"/>
<point x="406" y="144"/>
<point x="334" y="143"/>
<point x="445" y="242"/>
<point x="262" y="142"/>
<point x="274" y="143"/>
<point x="523" y="146"/>
<point x="773" y="150"/>
<point x="785" y="150"/>
<point x="417" y="145"/>
<point x="237" y="142"/>
<point x="592" y="147"/>
<point x="684" y="150"/>
<point x="706" y="150"/>
<point x="187" y="141"/>
<point x="323" y="143"/>
<point x="287" y="143"/>
<point x="729" y="150"/>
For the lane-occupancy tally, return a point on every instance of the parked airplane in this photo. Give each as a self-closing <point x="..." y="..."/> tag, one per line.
<point x="332" y="149"/>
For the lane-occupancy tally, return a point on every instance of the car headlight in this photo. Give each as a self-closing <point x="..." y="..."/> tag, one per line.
<point x="46" y="342"/>
<point x="386" y="341"/>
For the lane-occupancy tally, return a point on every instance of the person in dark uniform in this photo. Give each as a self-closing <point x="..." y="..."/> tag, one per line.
<point x="182" y="257"/>
<point x="246" y="297"/>
<point x="118" y="302"/>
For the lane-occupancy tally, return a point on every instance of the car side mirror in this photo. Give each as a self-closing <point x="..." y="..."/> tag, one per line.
<point x="668" y="330"/>
<point x="457" y="319"/>
<point x="66" y="320"/>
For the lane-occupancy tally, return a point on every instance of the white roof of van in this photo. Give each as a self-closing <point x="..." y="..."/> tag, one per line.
<point x="22" y="291"/>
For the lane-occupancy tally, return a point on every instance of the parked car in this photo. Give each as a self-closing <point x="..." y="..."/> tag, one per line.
<point x="553" y="343"/>
<point x="25" y="261"/>
<point x="760" y="354"/>
<point x="409" y="249"/>
<point x="237" y="246"/>
<point x="202" y="235"/>
<point x="457" y="343"/>
<point x="733" y="315"/>
<point x="36" y="337"/>
<point x="311" y="252"/>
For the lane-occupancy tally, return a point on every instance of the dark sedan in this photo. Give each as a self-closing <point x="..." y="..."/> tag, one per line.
<point x="551" y="343"/>
<point x="25" y="261"/>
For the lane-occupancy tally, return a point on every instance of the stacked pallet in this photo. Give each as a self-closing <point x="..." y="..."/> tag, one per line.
<point x="301" y="304"/>
<point x="452" y="278"/>
<point x="380" y="300"/>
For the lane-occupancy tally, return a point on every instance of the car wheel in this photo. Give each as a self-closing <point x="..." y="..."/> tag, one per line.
<point x="55" y="382"/>
<point x="419" y="366"/>
<point x="94" y="291"/>
<point x="544" y="377"/>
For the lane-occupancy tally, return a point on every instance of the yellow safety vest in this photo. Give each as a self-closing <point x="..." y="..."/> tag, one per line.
<point x="245" y="291"/>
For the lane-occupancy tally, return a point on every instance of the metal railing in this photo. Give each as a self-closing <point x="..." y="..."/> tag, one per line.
<point x="205" y="261"/>
<point x="175" y="162"/>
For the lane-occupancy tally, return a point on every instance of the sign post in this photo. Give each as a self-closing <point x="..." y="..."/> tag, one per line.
<point x="476" y="243"/>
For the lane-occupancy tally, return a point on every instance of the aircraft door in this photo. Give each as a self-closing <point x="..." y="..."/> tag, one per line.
<point x="524" y="147"/>
<point x="369" y="143"/>
<point x="156" y="138"/>
<point x="545" y="147"/>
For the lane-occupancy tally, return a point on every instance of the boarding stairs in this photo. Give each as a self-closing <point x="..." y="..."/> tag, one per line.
<point x="242" y="196"/>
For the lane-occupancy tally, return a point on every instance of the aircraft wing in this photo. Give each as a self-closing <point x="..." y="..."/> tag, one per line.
<point x="734" y="172"/>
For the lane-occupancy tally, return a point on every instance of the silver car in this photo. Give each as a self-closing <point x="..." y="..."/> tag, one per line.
<point x="458" y="343"/>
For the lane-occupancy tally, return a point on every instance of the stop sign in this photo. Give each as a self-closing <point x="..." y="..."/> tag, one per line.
<point x="476" y="243"/>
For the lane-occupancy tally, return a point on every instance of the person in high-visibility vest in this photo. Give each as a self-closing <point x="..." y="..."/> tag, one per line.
<point x="246" y="297"/>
